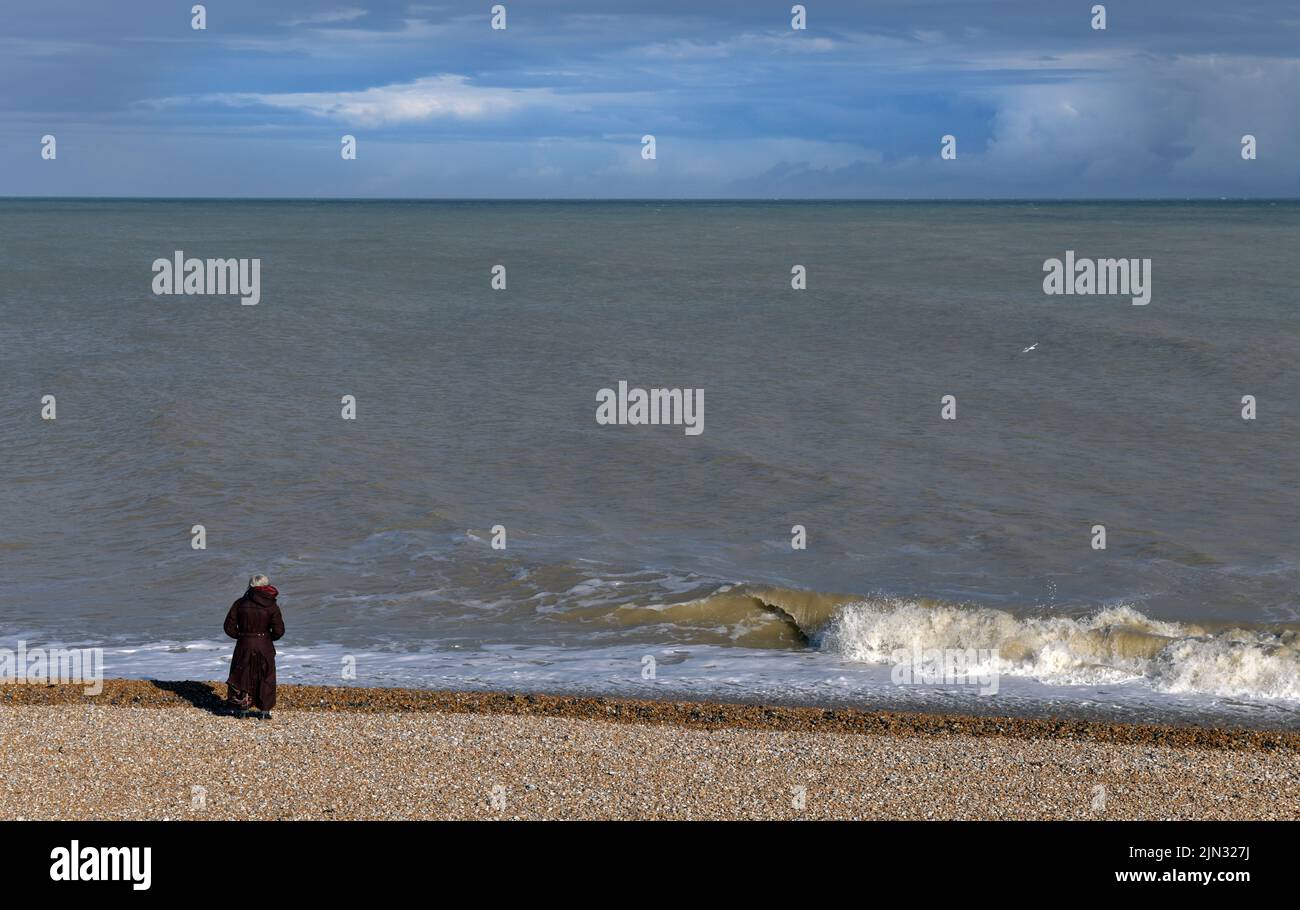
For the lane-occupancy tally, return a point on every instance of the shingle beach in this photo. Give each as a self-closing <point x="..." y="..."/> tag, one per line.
<point x="146" y="750"/>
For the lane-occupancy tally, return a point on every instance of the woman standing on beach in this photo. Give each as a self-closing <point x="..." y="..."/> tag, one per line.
<point x="254" y="621"/>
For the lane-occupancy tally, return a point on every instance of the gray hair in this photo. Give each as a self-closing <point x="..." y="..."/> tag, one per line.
<point x="258" y="580"/>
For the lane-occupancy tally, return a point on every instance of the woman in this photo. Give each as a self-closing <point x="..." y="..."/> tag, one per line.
<point x="254" y="622"/>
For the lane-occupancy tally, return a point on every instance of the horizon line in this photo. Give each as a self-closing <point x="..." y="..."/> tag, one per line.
<point x="658" y="199"/>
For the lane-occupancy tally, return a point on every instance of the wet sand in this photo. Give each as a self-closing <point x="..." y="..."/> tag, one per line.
<point x="158" y="750"/>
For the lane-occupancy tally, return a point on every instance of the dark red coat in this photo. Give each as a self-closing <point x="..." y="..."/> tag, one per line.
<point x="254" y="621"/>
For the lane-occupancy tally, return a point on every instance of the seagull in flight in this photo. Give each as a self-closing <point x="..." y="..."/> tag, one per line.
<point x="1030" y="348"/>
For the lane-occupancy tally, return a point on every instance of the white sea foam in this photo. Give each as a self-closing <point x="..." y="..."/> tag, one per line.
<point x="1109" y="646"/>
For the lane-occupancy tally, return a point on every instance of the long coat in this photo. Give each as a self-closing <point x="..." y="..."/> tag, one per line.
<point x="254" y="621"/>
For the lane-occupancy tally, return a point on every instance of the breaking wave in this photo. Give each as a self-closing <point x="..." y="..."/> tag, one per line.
<point x="1110" y="645"/>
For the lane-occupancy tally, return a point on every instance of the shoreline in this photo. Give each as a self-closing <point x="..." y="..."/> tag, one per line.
<point x="701" y="715"/>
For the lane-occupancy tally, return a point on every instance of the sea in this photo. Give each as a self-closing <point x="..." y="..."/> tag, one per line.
<point x="1087" y="505"/>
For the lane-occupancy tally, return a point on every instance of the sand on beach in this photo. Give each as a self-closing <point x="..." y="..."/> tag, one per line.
<point x="144" y="750"/>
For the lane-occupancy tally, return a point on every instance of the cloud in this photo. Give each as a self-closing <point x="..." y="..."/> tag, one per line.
<point x="430" y="98"/>
<point x="1147" y="127"/>
<point x="1163" y="124"/>
<point x="739" y="102"/>
<point x="331" y="39"/>
<point x="329" y="18"/>
<point x="746" y="43"/>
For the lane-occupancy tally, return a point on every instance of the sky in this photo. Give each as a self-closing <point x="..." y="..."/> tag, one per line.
<point x="555" y="105"/>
